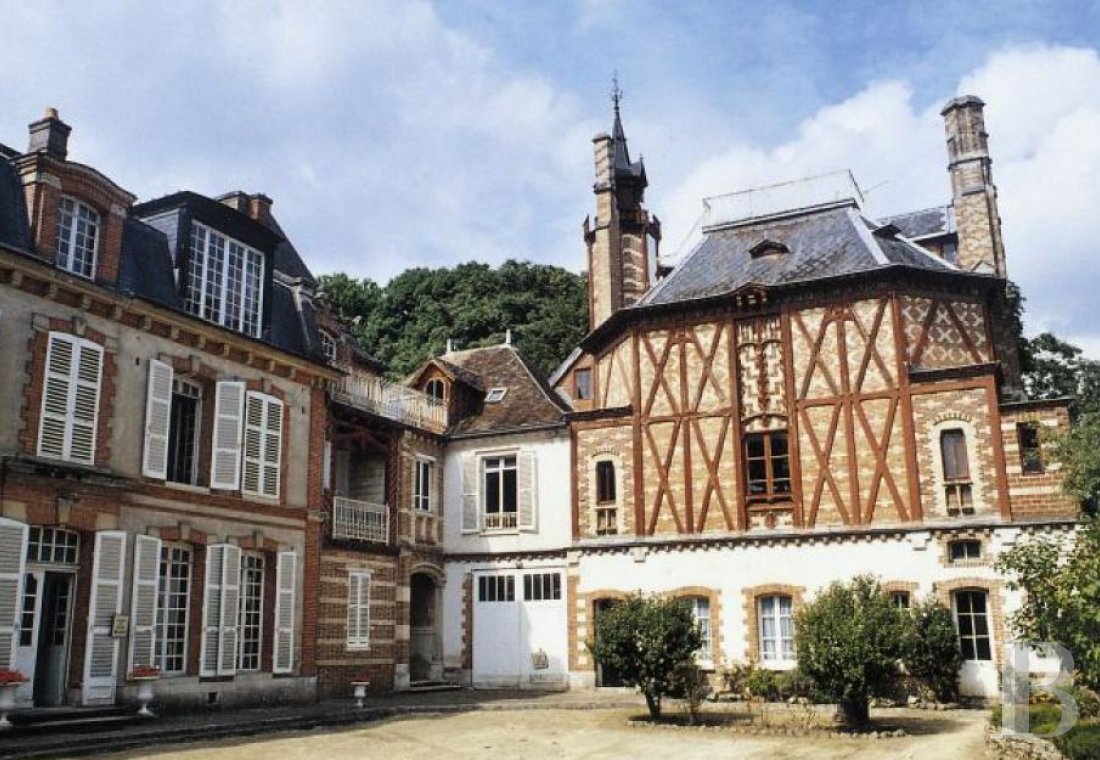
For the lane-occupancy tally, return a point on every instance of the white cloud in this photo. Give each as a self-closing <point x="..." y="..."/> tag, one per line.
<point x="1043" y="116"/>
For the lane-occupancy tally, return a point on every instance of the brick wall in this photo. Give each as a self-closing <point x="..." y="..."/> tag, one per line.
<point x="1040" y="494"/>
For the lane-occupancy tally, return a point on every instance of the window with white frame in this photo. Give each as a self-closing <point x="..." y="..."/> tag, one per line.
<point x="183" y="431"/>
<point x="436" y="388"/>
<point x="263" y="442"/>
<point x="499" y="491"/>
<point x="901" y="599"/>
<point x="77" y="237"/>
<point x="174" y="593"/>
<point x="70" y="399"/>
<point x="701" y="608"/>
<point x="53" y="546"/>
<point x="972" y="623"/>
<point x="225" y="282"/>
<point x="775" y="615"/>
<point x="328" y="345"/>
<point x="250" y="609"/>
<point x="358" y="623"/>
<point x="422" y="484"/>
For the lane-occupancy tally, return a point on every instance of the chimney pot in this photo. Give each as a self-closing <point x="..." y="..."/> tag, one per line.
<point x="50" y="135"/>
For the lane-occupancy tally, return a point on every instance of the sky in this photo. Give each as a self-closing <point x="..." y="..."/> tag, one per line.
<point x="404" y="133"/>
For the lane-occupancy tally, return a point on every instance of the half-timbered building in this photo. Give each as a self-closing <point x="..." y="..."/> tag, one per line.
<point x="809" y="394"/>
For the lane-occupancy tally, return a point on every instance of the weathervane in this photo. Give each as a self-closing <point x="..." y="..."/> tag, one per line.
<point x="616" y="91"/>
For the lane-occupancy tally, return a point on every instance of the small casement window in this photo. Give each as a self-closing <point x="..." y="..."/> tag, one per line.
<point x="775" y="615"/>
<point x="496" y="588"/>
<point x="971" y="610"/>
<point x="70" y="399"/>
<point x="500" y="492"/>
<point x="582" y="384"/>
<point x="605" y="482"/>
<point x="901" y="599"/>
<point x="956" y="471"/>
<point x="358" y="622"/>
<point x="701" y="608"/>
<point x="77" y="237"/>
<point x="250" y="612"/>
<point x="422" y="485"/>
<point x="966" y="549"/>
<point x="1031" y="453"/>
<point x="328" y="346"/>
<point x="542" y="587"/>
<point x="768" y="465"/>
<point x="495" y="395"/>
<point x="436" y="389"/>
<point x="53" y="546"/>
<point x="173" y="606"/>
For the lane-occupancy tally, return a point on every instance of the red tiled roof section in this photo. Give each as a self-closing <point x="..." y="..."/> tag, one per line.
<point x="528" y="403"/>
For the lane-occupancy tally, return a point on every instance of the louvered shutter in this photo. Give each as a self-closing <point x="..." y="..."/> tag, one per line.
<point x="263" y="437"/>
<point x="358" y="610"/>
<point x="13" y="553"/>
<point x="470" y="476"/>
<point x="528" y="490"/>
<point x="143" y="601"/>
<point x="353" y="611"/>
<point x="231" y="593"/>
<point x="158" y="415"/>
<point x="85" y="409"/>
<point x="282" y="655"/>
<point x="225" y="461"/>
<point x="211" y="610"/>
<point x="101" y="652"/>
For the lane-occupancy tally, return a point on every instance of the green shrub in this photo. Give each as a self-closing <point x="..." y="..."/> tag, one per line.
<point x="761" y="683"/>
<point x="690" y="684"/>
<point x="930" y="649"/>
<point x="1082" y="742"/>
<point x="794" y="684"/>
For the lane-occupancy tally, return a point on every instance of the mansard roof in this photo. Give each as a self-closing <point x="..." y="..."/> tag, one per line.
<point x="825" y="241"/>
<point x="15" y="230"/>
<point x="529" y="402"/>
<point x="925" y="223"/>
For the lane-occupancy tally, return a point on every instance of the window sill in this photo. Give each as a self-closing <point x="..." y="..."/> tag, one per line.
<point x="499" y="532"/>
<point x="357" y="648"/>
<point x="186" y="487"/>
<point x="764" y="503"/>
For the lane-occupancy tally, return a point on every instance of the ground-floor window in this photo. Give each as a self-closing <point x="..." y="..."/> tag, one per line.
<point x="701" y="607"/>
<point x="541" y="587"/>
<point x="776" y="627"/>
<point x="172" y="608"/>
<point x="250" y="612"/>
<point x="496" y="588"/>
<point x="358" y="609"/>
<point x="971" y="609"/>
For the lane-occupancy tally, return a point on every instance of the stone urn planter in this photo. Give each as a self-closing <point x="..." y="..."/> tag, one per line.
<point x="359" y="691"/>
<point x="146" y="678"/>
<point x="10" y="681"/>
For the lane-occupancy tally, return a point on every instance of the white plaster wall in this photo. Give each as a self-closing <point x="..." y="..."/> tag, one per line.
<point x="553" y="504"/>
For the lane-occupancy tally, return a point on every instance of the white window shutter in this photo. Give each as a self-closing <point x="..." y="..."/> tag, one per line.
<point x="85" y="402"/>
<point x="358" y="610"/>
<point x="470" y="507"/>
<point x="231" y="593"/>
<point x="528" y="491"/>
<point x="53" y="429"/>
<point x="273" y="447"/>
<point x="158" y="415"/>
<point x="225" y="461"/>
<point x="282" y="655"/>
<point x="353" y="610"/>
<point x="101" y="652"/>
<point x="263" y="438"/>
<point x="212" y="610"/>
<point x="143" y="601"/>
<point x="13" y="553"/>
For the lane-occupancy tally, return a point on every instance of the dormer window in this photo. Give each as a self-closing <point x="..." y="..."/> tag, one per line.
<point x="768" y="248"/>
<point x="77" y="237"/>
<point x="495" y="395"/>
<point x="328" y="346"/>
<point x="225" y="285"/>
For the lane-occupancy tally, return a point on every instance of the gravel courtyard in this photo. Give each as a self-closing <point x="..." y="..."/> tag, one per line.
<point x="553" y="733"/>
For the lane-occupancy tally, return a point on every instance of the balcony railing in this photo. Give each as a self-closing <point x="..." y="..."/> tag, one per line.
<point x="390" y="400"/>
<point x="360" y="520"/>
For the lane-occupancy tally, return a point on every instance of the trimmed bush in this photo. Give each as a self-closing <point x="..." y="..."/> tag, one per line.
<point x="930" y="650"/>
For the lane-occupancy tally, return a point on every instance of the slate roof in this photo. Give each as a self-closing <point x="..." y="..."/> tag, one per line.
<point x="823" y="243"/>
<point x="15" y="230"/>
<point x="928" y="222"/>
<point x="625" y="169"/>
<point x="529" y="402"/>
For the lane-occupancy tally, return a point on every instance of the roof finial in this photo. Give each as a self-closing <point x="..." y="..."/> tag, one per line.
<point x="616" y="92"/>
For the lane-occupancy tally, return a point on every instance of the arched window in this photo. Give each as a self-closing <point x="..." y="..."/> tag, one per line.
<point x="77" y="237"/>
<point x="436" y="388"/>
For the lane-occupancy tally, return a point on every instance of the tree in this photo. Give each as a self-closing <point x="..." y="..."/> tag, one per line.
<point x="1079" y="452"/>
<point x="413" y="316"/>
<point x="645" y="639"/>
<point x="1061" y="586"/>
<point x="849" y="640"/>
<point x="930" y="649"/>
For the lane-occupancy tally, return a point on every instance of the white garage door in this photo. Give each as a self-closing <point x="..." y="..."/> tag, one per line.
<point x="520" y="637"/>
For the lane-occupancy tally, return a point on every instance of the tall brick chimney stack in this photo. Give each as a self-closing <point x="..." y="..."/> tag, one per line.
<point x="50" y="135"/>
<point x="973" y="194"/>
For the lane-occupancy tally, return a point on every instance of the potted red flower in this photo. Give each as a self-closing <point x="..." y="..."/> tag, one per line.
<point x="10" y="681"/>
<point x="146" y="676"/>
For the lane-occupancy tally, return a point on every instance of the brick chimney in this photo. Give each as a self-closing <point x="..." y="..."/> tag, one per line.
<point x="973" y="194"/>
<point x="50" y="135"/>
<point x="257" y="206"/>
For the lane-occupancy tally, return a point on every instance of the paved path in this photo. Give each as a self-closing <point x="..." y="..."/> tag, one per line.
<point x="594" y="733"/>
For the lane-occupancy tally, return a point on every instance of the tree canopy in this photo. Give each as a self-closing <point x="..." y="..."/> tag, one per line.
<point x="411" y="318"/>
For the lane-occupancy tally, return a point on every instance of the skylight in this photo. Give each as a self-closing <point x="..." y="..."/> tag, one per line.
<point x="495" y="395"/>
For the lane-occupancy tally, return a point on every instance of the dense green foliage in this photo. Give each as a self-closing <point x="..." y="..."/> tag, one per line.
<point x="930" y="649"/>
<point x="1062" y="595"/>
<point x="645" y="639"/>
<point x="1081" y="742"/>
<point x="850" y="639"/>
<point x="412" y="317"/>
